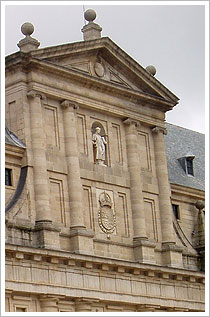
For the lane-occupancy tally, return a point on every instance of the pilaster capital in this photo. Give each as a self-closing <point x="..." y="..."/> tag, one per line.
<point x="130" y="121"/>
<point x="35" y="93"/>
<point x="157" y="130"/>
<point x="66" y="104"/>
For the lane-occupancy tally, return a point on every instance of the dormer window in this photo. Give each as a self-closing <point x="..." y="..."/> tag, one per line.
<point x="187" y="163"/>
<point x="189" y="166"/>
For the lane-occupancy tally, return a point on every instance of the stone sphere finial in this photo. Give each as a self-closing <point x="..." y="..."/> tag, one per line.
<point x="90" y="15"/>
<point x="199" y="204"/>
<point x="151" y="69"/>
<point x="27" y="28"/>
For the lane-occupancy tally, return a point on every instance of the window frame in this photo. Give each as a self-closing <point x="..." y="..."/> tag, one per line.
<point x="177" y="211"/>
<point x="10" y="174"/>
<point x="189" y="167"/>
<point x="21" y="307"/>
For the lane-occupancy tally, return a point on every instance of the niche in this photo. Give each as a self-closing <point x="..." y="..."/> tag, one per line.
<point x="99" y="141"/>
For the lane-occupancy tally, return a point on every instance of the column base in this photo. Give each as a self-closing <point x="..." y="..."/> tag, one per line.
<point x="47" y="235"/>
<point x="172" y="255"/>
<point x="81" y="241"/>
<point x="144" y="250"/>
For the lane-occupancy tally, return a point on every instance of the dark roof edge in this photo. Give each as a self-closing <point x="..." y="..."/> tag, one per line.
<point x="180" y="127"/>
<point x="11" y="138"/>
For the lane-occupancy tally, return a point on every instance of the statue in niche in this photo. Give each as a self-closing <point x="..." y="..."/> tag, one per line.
<point x="99" y="147"/>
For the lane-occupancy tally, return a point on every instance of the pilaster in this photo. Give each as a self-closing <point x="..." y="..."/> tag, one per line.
<point x="81" y="239"/>
<point x="143" y="249"/>
<point x="171" y="255"/>
<point x="47" y="235"/>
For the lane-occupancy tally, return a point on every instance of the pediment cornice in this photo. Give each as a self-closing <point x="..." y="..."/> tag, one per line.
<point x="98" y="84"/>
<point x="147" y="86"/>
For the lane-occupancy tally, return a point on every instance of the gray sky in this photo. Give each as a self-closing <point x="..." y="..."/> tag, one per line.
<point x="170" y="37"/>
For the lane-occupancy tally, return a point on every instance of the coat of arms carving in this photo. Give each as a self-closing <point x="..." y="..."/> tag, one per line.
<point x="106" y="216"/>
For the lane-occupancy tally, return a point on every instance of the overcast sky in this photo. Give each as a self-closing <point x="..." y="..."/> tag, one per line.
<point x="170" y="37"/>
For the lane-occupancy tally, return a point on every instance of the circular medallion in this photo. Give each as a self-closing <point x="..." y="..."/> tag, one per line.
<point x="99" y="69"/>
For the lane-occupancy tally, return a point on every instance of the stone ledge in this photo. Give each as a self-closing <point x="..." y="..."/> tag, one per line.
<point x="98" y="263"/>
<point x="49" y="226"/>
<point x="171" y="247"/>
<point x="105" y="296"/>
<point x="22" y="224"/>
<point x="137" y="241"/>
<point x="81" y="232"/>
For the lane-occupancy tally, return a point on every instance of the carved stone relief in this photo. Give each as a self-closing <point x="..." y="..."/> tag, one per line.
<point x="99" y="69"/>
<point x="106" y="215"/>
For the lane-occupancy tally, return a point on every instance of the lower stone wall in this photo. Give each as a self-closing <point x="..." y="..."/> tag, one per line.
<point x="48" y="280"/>
<point x="26" y="302"/>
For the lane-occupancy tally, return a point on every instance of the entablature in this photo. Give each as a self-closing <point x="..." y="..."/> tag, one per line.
<point x="109" y="265"/>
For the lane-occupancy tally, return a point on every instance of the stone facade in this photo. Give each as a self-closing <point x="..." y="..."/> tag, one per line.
<point x="91" y="237"/>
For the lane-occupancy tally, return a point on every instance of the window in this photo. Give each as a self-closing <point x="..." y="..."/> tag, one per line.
<point x="20" y="309"/>
<point x="186" y="162"/>
<point x="176" y="211"/>
<point x="189" y="165"/>
<point x="8" y="177"/>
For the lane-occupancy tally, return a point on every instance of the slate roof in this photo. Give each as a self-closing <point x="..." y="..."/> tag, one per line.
<point x="180" y="141"/>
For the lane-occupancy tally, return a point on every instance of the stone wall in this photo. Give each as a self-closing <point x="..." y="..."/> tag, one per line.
<point x="66" y="280"/>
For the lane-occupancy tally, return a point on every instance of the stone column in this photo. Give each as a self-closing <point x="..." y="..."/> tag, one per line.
<point x="164" y="187"/>
<point x="49" y="304"/>
<point x="72" y="157"/>
<point x="141" y="245"/>
<point x="171" y="254"/>
<point x="38" y="144"/>
<point x="47" y="234"/>
<point x="77" y="224"/>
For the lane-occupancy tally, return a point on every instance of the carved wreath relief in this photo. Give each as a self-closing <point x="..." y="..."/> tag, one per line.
<point x="106" y="216"/>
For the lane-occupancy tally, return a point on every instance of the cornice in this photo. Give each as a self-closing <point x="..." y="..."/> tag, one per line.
<point x="105" y="264"/>
<point x="187" y="191"/>
<point x="85" y="102"/>
<point x="14" y="150"/>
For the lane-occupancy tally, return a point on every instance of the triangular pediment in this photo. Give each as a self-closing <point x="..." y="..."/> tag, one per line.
<point x="97" y="66"/>
<point x="104" y="60"/>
